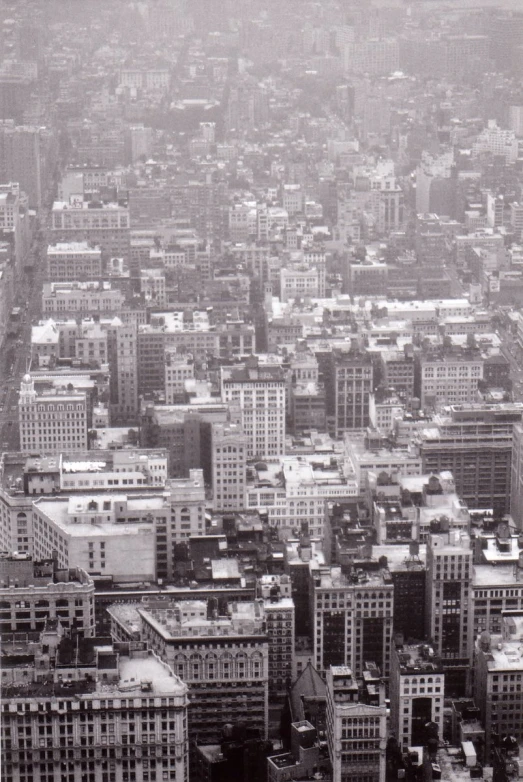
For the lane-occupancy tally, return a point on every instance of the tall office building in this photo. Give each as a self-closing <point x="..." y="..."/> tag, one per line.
<point x="356" y="730"/>
<point x="349" y="387"/>
<point x="52" y="423"/>
<point x="448" y="377"/>
<point x="516" y="485"/>
<point x="123" y="363"/>
<point x="279" y="613"/>
<point x="351" y="617"/>
<point x="27" y="156"/>
<point x="448" y="600"/>
<point x="104" y="225"/>
<point x="498" y="681"/>
<point x="477" y="444"/>
<point x="260" y="392"/>
<point x="417" y="687"/>
<point x="229" y="466"/>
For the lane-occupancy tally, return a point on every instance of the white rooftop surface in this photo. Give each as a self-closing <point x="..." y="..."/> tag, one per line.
<point x="509" y="657"/>
<point x="415" y="483"/>
<point x="45" y="333"/>
<point x="76" y="466"/>
<point x="174" y="322"/>
<point x="151" y="670"/>
<point x="492" y="553"/>
<point x="225" y="568"/>
<point x="61" y="205"/>
<point x="495" y="575"/>
<point x="71" y="247"/>
<point x="58" y="511"/>
<point x="282" y="602"/>
<point x="295" y="471"/>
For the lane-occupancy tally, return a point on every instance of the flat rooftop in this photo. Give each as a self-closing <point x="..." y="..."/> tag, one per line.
<point x="335" y="579"/>
<point x="399" y="557"/>
<point x="495" y="575"/>
<point x="58" y="511"/>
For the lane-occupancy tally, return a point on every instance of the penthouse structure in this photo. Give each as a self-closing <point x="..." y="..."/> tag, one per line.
<point x="32" y="592"/>
<point x="69" y="261"/>
<point x="223" y="660"/>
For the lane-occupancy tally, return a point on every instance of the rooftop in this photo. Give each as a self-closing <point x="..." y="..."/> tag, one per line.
<point x="495" y="575"/>
<point x="140" y="673"/>
<point x="336" y="579"/>
<point x="416" y="658"/>
<point x="177" y="622"/>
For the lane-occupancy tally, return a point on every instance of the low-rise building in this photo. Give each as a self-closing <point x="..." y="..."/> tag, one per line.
<point x="75" y="260"/>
